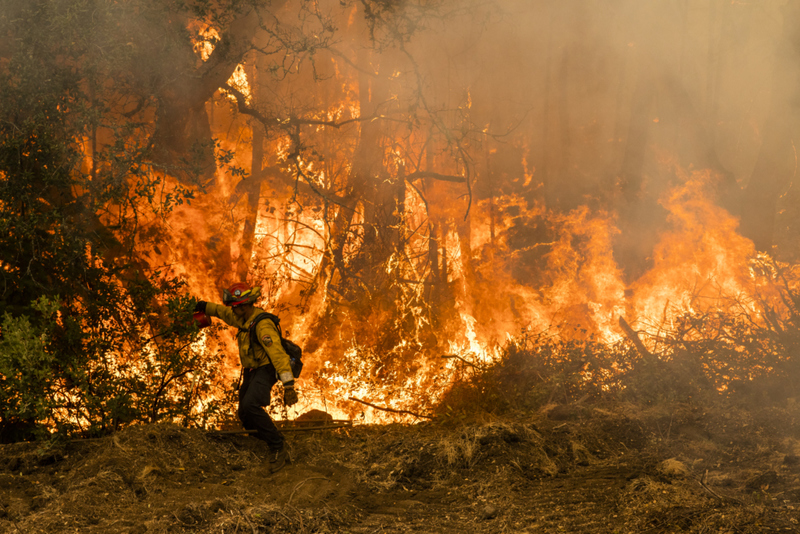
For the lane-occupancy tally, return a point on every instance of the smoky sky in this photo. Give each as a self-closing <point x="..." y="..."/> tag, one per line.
<point x="573" y="77"/>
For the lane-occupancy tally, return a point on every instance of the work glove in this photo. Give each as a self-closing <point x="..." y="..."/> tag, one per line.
<point x="289" y="396"/>
<point x="200" y="306"/>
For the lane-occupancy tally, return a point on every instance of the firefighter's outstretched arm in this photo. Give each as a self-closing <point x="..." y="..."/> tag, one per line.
<point x="220" y="311"/>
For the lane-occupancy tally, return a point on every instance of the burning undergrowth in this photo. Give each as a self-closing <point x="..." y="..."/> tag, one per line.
<point x="716" y="356"/>
<point x="525" y="292"/>
<point x="563" y="321"/>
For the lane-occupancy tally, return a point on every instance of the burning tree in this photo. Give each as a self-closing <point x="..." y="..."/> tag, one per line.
<point x="89" y="334"/>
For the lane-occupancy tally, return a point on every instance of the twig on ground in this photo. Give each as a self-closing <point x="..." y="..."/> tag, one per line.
<point x="289" y="500"/>
<point x="384" y="409"/>
<point x="179" y="520"/>
<point x="299" y="518"/>
<point x="722" y="498"/>
<point x="286" y="516"/>
<point x="248" y="522"/>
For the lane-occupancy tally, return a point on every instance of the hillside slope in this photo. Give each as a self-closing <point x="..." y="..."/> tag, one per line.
<point x="569" y="468"/>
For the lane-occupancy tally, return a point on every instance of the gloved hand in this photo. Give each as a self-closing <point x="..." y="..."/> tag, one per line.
<point x="289" y="396"/>
<point x="200" y="306"/>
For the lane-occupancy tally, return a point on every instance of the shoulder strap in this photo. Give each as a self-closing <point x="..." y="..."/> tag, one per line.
<point x="265" y="315"/>
<point x="260" y="317"/>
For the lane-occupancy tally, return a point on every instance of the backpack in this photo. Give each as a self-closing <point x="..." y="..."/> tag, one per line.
<point x="292" y="349"/>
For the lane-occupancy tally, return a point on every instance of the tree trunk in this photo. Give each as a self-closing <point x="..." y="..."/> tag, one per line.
<point x="370" y="179"/>
<point x="253" y="191"/>
<point x="182" y="140"/>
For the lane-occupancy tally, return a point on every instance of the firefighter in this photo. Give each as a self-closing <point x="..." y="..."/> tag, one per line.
<point x="262" y="365"/>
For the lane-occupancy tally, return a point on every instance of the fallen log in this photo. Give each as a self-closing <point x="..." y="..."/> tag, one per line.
<point x="392" y="410"/>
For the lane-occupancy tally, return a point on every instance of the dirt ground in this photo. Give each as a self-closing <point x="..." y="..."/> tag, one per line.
<point x="568" y="468"/>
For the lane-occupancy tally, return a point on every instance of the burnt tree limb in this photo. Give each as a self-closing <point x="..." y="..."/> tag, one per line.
<point x="633" y="336"/>
<point x="391" y="410"/>
<point x="436" y="176"/>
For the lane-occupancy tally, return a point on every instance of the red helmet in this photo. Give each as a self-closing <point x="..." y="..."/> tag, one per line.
<point x="240" y="293"/>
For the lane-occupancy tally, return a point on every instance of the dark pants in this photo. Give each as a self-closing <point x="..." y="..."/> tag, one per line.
<point x="254" y="394"/>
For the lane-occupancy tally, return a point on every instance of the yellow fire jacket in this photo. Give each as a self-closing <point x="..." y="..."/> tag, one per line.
<point x="267" y="350"/>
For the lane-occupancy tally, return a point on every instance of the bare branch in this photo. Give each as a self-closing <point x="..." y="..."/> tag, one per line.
<point x="350" y="62"/>
<point x="634" y="337"/>
<point x="436" y="176"/>
<point x="383" y="409"/>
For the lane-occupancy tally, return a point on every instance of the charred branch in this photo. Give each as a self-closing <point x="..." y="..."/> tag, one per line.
<point x="464" y="360"/>
<point x="391" y="410"/>
<point x="436" y="176"/>
<point x="352" y="63"/>
<point x="723" y="498"/>
<point x="631" y="334"/>
<point x="285" y="123"/>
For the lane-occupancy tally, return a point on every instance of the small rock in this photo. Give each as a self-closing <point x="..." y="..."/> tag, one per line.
<point x="581" y="454"/>
<point x="673" y="468"/>
<point x="791" y="459"/>
<point x="488" y="512"/>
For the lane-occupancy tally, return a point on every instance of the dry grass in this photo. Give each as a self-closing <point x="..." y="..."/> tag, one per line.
<point x="597" y="464"/>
